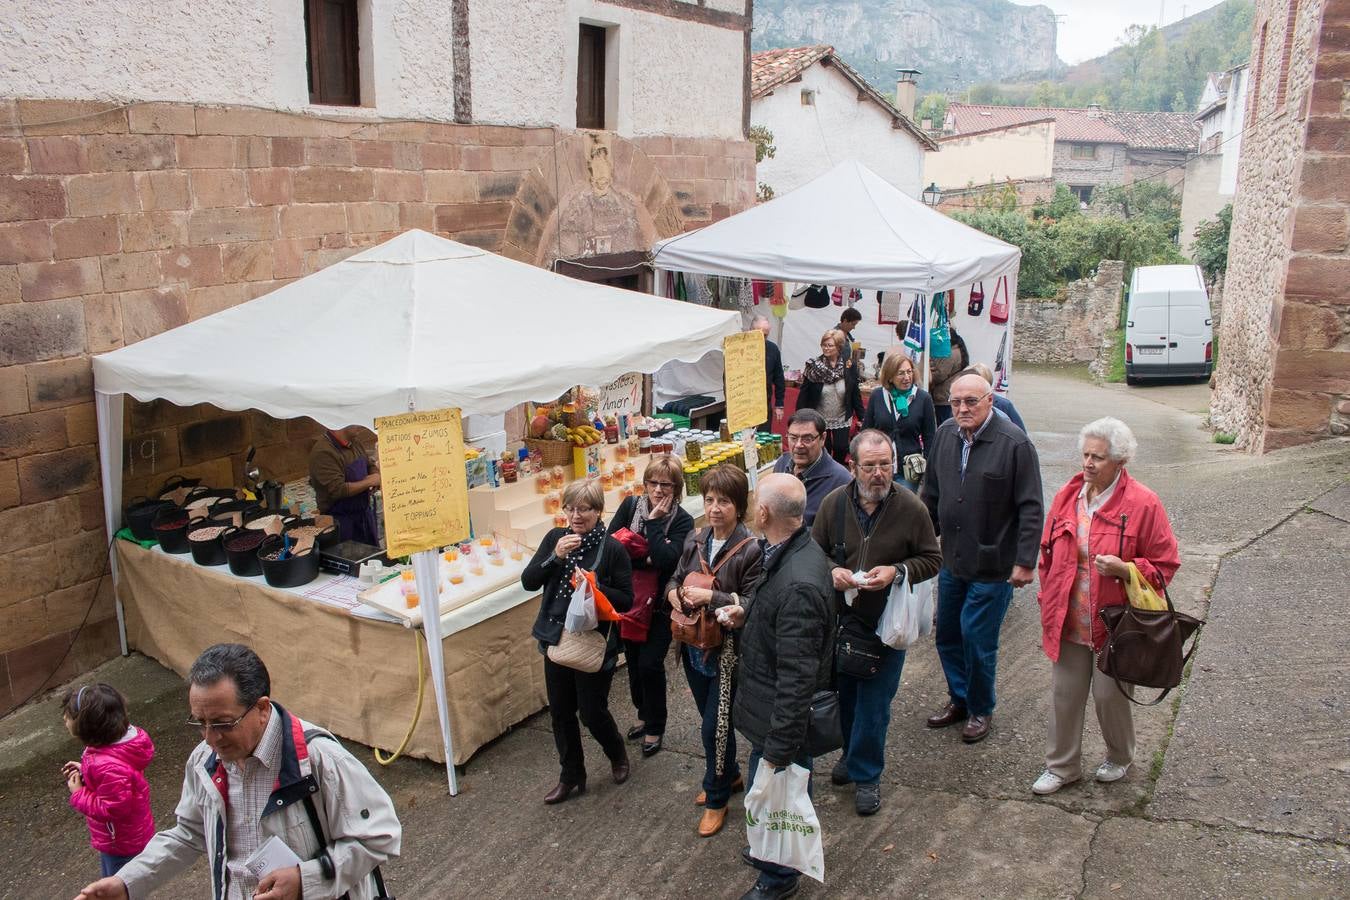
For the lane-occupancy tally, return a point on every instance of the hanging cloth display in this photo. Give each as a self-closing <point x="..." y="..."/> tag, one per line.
<point x="888" y="307"/>
<point x="778" y="302"/>
<point x="854" y="297"/>
<point x="940" y="335"/>
<point x="681" y="291"/>
<point x="998" y="308"/>
<point x="918" y="324"/>
<point x="976" y="305"/>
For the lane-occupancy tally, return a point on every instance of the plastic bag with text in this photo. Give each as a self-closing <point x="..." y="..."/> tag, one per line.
<point x="781" y="823"/>
<point x="581" y="611"/>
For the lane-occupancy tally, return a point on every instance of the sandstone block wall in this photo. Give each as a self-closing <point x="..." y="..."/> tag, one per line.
<point x="118" y="222"/>
<point x="1284" y="359"/>
<point x="1075" y="327"/>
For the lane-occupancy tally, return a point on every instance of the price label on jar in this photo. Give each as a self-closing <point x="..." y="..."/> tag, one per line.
<point x="747" y="398"/>
<point x="422" y="480"/>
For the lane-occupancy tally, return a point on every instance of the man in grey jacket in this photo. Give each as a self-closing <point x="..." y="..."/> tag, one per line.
<point x="261" y="772"/>
<point x="983" y="491"/>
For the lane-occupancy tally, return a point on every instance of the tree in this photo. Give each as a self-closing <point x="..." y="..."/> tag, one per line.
<point x="933" y="107"/>
<point x="763" y="141"/>
<point x="1209" y="249"/>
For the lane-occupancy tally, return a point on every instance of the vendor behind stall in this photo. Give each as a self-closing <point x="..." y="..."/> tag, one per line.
<point x="343" y="475"/>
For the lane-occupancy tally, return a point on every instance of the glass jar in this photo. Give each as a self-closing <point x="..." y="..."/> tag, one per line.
<point x="553" y="503"/>
<point x="543" y="483"/>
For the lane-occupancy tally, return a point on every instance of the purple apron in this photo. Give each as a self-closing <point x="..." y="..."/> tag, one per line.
<point x="354" y="516"/>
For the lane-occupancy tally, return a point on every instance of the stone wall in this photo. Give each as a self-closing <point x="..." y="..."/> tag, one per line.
<point x="1074" y="327"/>
<point x="1109" y="167"/>
<point x="1284" y="357"/>
<point x="118" y="222"/>
<point x="1029" y="191"/>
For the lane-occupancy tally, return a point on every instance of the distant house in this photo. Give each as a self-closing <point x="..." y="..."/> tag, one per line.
<point x="1091" y="147"/>
<point x="822" y="112"/>
<point x="1211" y="175"/>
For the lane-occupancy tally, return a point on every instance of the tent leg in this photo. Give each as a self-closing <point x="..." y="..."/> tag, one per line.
<point x="108" y="413"/>
<point x="426" y="569"/>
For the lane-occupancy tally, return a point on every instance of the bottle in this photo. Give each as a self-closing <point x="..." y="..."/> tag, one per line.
<point x="724" y="431"/>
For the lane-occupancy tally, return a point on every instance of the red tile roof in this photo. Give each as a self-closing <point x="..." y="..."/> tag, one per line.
<point x="1139" y="130"/>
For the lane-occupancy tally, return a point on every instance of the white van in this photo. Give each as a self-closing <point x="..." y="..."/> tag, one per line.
<point x="1168" y="329"/>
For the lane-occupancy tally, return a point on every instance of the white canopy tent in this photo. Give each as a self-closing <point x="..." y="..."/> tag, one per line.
<point x="429" y="323"/>
<point x="847" y="227"/>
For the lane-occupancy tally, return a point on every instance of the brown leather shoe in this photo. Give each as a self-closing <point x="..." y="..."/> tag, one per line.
<point x="977" y="729"/>
<point x="736" y="787"/>
<point x="620" y="770"/>
<point x="564" y="791"/>
<point x="948" y="715"/>
<point x="712" y="822"/>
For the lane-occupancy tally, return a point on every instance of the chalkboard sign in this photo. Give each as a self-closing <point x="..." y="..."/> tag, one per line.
<point x="422" y="480"/>
<point x="747" y="396"/>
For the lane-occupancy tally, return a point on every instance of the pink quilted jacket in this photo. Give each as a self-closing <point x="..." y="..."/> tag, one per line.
<point x="115" y="799"/>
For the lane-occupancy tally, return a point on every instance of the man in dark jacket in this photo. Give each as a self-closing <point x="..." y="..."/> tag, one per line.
<point x="785" y="647"/>
<point x="807" y="460"/>
<point x="983" y="491"/>
<point x="871" y="527"/>
<point x="773" y="376"/>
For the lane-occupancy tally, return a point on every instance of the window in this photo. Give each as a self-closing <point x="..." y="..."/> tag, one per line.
<point x="591" y="77"/>
<point x="1083" y="192"/>
<point x="334" y="72"/>
<point x="1289" y="25"/>
<point x="808" y="97"/>
<point x="1083" y="151"/>
<point x="1254" y="89"/>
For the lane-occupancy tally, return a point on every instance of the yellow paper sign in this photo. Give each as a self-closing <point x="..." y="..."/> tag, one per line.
<point x="747" y="397"/>
<point x="426" y="493"/>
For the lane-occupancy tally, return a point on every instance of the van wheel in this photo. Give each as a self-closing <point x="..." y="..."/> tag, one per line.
<point x="1131" y="380"/>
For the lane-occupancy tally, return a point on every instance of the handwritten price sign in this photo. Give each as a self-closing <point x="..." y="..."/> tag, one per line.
<point x="747" y="397"/>
<point x="426" y="494"/>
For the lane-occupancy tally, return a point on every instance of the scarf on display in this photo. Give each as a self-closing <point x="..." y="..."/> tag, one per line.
<point x="900" y="400"/>
<point x="818" y="369"/>
<point x="591" y="540"/>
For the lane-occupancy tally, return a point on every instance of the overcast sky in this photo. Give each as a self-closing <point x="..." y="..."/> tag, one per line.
<point x="1089" y="28"/>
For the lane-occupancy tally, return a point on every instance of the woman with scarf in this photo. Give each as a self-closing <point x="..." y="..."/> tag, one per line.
<point x="652" y="528"/>
<point x="583" y="545"/>
<point x="904" y="411"/>
<point x="727" y="548"/>
<point x="830" y="387"/>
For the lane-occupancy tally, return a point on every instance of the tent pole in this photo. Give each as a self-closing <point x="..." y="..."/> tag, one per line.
<point x="426" y="569"/>
<point x="109" y="418"/>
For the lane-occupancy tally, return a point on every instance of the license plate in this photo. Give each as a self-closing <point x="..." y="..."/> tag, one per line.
<point x="1150" y="351"/>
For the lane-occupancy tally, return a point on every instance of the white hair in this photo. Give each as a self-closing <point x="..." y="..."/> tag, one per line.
<point x="1120" y="442"/>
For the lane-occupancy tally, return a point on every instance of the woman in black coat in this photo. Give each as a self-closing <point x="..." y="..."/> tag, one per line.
<point x="656" y="524"/>
<point x="584" y="544"/>
<point x="902" y="410"/>
<point x="830" y="387"/>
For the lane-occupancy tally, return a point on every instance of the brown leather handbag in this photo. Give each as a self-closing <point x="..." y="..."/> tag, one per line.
<point x="1145" y="647"/>
<point x="698" y="627"/>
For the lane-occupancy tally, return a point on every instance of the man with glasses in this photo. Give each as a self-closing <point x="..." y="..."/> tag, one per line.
<point x="260" y="772"/>
<point x="806" y="458"/>
<point x="983" y="491"/>
<point x="870" y="527"/>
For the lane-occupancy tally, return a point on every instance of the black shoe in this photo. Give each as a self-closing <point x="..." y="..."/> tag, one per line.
<point x="649" y="750"/>
<point x="636" y="732"/>
<point x="867" y="799"/>
<point x="764" y="891"/>
<point x="839" y="774"/>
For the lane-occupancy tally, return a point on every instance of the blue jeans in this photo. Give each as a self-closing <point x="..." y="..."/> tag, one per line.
<point x="865" y="714"/>
<point x="771" y="874"/>
<point x="705" y="691"/>
<point x="111" y="865"/>
<point x="969" y="618"/>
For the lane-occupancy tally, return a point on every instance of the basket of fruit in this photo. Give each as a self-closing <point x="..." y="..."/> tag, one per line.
<point x="551" y="434"/>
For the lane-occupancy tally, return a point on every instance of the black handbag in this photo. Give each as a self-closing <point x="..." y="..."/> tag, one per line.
<point x="824" y="731"/>
<point x="858" y="651"/>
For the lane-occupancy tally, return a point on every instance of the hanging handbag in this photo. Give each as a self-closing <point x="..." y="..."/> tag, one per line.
<point x="635" y="624"/>
<point x="837" y="296"/>
<point x="698" y="626"/>
<point x="817" y="297"/>
<point x="998" y="308"/>
<point x="940" y="335"/>
<point x="976" y="305"/>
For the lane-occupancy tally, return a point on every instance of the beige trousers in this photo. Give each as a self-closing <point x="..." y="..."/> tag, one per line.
<point x="1072" y="677"/>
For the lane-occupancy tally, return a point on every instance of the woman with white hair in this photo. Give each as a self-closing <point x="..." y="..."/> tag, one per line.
<point x="1100" y="523"/>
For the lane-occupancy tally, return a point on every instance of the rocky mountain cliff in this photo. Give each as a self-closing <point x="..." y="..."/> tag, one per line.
<point x="955" y="43"/>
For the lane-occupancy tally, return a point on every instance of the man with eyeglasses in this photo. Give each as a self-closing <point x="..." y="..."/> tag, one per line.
<point x="869" y="526"/>
<point x="983" y="492"/>
<point x="806" y="458"/>
<point x="260" y="772"/>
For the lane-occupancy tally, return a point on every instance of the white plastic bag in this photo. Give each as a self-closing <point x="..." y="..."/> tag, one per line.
<point x="581" y="611"/>
<point x="781" y="823"/>
<point x="908" y="613"/>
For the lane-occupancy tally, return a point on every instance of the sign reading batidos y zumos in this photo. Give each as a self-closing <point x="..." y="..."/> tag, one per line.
<point x="426" y="493"/>
<point x="747" y="399"/>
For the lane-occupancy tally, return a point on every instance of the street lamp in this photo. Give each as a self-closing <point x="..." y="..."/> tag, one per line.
<point x="932" y="195"/>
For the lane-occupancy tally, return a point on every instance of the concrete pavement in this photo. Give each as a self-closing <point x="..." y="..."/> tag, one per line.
<point x="1239" y="788"/>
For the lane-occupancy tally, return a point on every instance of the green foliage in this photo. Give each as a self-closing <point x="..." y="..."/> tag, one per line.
<point x="1209" y="249"/>
<point x="1223" y="437"/>
<point x="932" y="106"/>
<point x="1149" y="201"/>
<point x="763" y="141"/>
<point x="1115" y="372"/>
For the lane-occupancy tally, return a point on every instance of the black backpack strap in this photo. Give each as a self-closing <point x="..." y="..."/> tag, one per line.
<point x="839" y="550"/>
<point x="325" y="860"/>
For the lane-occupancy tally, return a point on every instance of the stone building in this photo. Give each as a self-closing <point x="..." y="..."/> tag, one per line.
<point x="159" y="164"/>
<point x="1284" y="357"/>
<point x="822" y="112"/>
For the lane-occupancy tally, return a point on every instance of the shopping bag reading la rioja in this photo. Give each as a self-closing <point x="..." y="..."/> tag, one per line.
<point x="781" y="823"/>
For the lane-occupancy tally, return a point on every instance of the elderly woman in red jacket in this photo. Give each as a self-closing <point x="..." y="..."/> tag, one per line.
<point x="1099" y="522"/>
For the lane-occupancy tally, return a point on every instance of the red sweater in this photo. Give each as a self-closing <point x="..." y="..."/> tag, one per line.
<point x="1149" y="544"/>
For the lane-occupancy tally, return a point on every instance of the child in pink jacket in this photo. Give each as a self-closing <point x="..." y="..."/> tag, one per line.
<point x="108" y="784"/>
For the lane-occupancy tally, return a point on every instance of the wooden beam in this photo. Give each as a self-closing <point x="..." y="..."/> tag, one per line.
<point x="676" y="9"/>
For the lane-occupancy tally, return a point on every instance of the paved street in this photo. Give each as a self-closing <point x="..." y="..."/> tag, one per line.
<point x="1241" y="788"/>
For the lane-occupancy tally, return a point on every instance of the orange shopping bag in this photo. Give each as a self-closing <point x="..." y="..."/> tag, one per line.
<point x="604" y="610"/>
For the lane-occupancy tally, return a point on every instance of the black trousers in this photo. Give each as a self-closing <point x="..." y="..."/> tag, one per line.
<point x="647" y="674"/>
<point x="572" y="693"/>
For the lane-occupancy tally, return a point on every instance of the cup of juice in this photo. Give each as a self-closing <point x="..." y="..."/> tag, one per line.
<point x="412" y="600"/>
